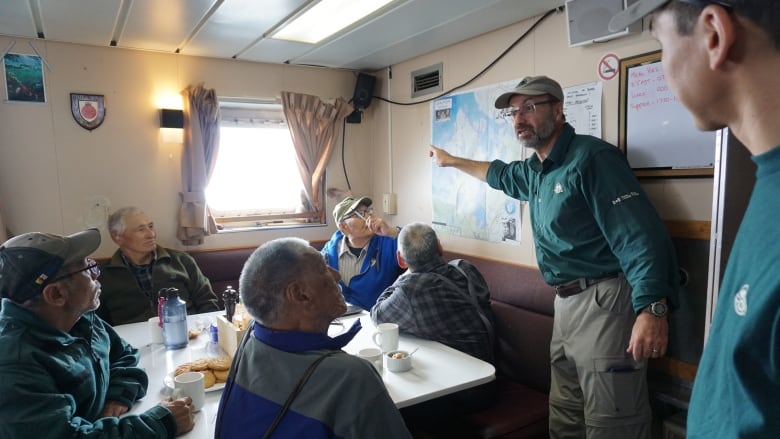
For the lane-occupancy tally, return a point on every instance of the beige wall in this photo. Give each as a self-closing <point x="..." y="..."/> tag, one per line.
<point x="544" y="51"/>
<point x="52" y="171"/>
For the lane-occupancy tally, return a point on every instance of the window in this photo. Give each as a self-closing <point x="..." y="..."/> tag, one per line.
<point x="255" y="182"/>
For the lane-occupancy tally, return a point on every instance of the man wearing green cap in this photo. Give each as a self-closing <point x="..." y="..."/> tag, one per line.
<point x="602" y="246"/>
<point x="363" y="251"/>
<point x="64" y="372"/>
<point x="721" y="59"/>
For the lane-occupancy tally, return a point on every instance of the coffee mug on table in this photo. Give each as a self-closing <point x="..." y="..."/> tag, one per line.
<point x="373" y="356"/>
<point x="190" y="384"/>
<point x="386" y="336"/>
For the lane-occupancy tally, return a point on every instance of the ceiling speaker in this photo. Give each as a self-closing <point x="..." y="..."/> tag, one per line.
<point x="588" y="20"/>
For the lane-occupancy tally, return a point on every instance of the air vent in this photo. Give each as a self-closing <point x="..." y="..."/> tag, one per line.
<point x="427" y="80"/>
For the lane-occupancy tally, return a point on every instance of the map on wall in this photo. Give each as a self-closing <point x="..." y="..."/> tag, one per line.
<point x="468" y="125"/>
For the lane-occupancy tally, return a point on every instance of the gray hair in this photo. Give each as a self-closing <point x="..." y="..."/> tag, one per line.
<point x="418" y="244"/>
<point x="116" y="221"/>
<point x="268" y="272"/>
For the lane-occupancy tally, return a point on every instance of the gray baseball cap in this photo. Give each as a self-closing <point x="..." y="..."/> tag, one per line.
<point x="29" y="261"/>
<point x="532" y="86"/>
<point x="634" y="13"/>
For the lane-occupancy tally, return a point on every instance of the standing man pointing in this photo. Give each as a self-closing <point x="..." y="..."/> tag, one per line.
<point x="601" y="244"/>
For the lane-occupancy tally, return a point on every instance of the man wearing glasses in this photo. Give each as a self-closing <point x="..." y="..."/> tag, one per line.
<point x="721" y="59"/>
<point x="64" y="372"/>
<point x="603" y="247"/>
<point x="363" y="251"/>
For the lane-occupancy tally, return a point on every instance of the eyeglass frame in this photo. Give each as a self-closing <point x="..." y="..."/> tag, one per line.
<point x="530" y="107"/>
<point x="367" y="212"/>
<point x="92" y="266"/>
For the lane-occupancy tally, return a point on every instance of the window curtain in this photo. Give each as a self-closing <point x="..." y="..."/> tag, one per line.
<point x="313" y="126"/>
<point x="201" y="144"/>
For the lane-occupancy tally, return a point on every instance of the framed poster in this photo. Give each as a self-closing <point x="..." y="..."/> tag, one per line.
<point x="656" y="132"/>
<point x="23" y="78"/>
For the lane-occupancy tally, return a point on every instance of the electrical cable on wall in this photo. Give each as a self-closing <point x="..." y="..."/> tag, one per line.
<point x="335" y="193"/>
<point x="489" y="66"/>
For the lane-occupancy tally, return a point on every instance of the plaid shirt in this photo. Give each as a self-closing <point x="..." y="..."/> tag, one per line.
<point x="143" y="275"/>
<point x="433" y="303"/>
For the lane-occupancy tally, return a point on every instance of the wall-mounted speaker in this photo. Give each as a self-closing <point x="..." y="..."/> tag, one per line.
<point x="364" y="90"/>
<point x="588" y="20"/>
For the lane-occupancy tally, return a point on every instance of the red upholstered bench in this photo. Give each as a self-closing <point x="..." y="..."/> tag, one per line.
<point x="523" y="306"/>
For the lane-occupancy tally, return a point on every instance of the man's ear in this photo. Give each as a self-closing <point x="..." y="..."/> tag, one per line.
<point x="296" y="293"/>
<point x="116" y="237"/>
<point x="55" y="294"/>
<point x="720" y="30"/>
<point x="342" y="227"/>
<point x="400" y="259"/>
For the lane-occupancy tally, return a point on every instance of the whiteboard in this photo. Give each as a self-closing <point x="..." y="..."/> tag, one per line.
<point x="657" y="131"/>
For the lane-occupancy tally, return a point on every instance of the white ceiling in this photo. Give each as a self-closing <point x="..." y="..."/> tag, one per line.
<point x="237" y="28"/>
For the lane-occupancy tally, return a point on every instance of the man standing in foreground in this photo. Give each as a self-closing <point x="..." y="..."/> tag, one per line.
<point x="721" y="59"/>
<point x="64" y="372"/>
<point x="293" y="297"/>
<point x="601" y="244"/>
<point x="140" y="268"/>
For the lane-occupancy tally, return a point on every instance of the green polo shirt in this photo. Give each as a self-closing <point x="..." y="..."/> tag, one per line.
<point x="590" y="217"/>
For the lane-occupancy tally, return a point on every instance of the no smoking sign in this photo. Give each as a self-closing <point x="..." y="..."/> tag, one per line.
<point x="609" y="66"/>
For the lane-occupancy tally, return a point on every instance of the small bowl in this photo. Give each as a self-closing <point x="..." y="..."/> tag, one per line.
<point x="398" y="361"/>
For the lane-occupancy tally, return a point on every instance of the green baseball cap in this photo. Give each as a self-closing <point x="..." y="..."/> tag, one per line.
<point x="347" y="206"/>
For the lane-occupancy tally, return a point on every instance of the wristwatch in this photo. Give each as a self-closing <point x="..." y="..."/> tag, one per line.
<point x="657" y="308"/>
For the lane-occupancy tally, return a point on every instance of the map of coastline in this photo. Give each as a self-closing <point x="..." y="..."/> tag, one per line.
<point x="468" y="125"/>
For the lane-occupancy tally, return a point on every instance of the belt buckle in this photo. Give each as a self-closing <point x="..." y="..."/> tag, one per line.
<point x="571" y="288"/>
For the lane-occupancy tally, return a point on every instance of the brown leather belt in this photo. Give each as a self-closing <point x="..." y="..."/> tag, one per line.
<point x="577" y="286"/>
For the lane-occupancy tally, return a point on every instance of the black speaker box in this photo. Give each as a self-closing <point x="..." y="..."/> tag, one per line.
<point x="364" y="90"/>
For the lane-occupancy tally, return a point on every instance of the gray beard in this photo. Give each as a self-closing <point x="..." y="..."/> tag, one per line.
<point x="541" y="135"/>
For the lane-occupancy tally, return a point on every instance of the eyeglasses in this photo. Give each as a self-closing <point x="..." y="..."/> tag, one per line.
<point x="528" y="108"/>
<point x="92" y="266"/>
<point x="362" y="215"/>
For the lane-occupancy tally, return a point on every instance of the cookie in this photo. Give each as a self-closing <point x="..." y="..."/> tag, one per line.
<point x="219" y="363"/>
<point x="221" y="375"/>
<point x="208" y="378"/>
<point x="200" y="365"/>
<point x="182" y="368"/>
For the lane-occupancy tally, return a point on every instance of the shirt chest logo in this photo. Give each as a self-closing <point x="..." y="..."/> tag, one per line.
<point x="558" y="188"/>
<point x="740" y="301"/>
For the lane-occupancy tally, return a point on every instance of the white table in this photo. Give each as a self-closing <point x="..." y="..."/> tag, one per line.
<point x="437" y="369"/>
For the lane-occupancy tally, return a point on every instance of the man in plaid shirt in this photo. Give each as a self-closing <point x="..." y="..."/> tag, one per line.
<point x="432" y="299"/>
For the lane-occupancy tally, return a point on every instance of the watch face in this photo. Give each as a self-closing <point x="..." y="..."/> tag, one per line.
<point x="658" y="309"/>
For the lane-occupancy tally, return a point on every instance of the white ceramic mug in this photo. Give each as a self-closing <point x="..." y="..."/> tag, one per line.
<point x="373" y="356"/>
<point x="191" y="384"/>
<point x="155" y="330"/>
<point x="386" y="336"/>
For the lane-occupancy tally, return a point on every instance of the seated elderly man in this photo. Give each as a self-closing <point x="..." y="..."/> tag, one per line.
<point x="448" y="303"/>
<point x="64" y="372"/>
<point x="140" y="268"/>
<point x="363" y="251"/>
<point x="293" y="297"/>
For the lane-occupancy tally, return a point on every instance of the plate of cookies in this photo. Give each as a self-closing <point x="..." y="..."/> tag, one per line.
<point x="214" y="369"/>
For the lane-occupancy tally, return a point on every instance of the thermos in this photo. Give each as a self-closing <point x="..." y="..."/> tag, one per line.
<point x="173" y="311"/>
